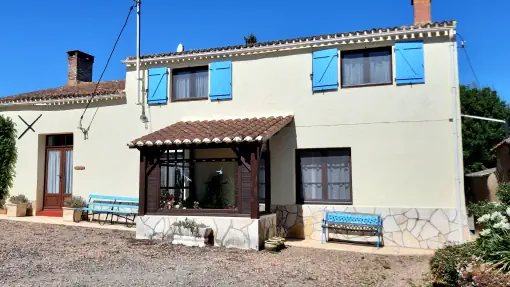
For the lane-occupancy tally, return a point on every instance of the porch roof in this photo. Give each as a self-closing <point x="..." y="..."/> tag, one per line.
<point x="215" y="131"/>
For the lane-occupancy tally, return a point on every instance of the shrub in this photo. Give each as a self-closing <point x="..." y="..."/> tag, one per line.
<point x="503" y="193"/>
<point x="447" y="262"/>
<point x="75" y="202"/>
<point x="18" y="199"/>
<point x="2" y="203"/>
<point x="478" y="209"/>
<point x="8" y="155"/>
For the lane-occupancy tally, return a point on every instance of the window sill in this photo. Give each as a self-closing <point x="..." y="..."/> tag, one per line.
<point x="199" y="212"/>
<point x="367" y="85"/>
<point x="326" y="202"/>
<point x="188" y="100"/>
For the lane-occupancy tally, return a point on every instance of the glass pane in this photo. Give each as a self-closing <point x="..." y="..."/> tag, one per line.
<point x="339" y="176"/>
<point x="262" y="180"/>
<point x="201" y="84"/>
<point x="216" y="184"/>
<point x="53" y="173"/>
<point x="352" y="69"/>
<point x="380" y="67"/>
<point x="69" y="140"/>
<point x="69" y="172"/>
<point x="181" y="85"/>
<point x="311" y="175"/>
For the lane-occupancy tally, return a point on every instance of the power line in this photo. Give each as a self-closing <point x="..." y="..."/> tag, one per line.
<point x="85" y="131"/>
<point x="462" y="44"/>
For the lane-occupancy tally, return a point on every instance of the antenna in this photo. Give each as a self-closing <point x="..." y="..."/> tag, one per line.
<point x="180" y="48"/>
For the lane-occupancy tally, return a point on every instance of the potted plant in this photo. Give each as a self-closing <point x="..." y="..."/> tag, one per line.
<point x="3" y="210"/>
<point x="72" y="208"/>
<point x="17" y="206"/>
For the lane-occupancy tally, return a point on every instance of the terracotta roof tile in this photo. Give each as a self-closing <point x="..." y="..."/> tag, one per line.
<point x="300" y="39"/>
<point x="83" y="89"/>
<point x="215" y="131"/>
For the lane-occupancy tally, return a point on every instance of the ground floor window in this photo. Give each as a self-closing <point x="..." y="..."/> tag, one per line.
<point x="324" y="175"/>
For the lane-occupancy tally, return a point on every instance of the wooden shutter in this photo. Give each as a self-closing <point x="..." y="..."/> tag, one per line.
<point x="153" y="180"/>
<point x="409" y="62"/>
<point x="245" y="192"/>
<point x="220" y="80"/>
<point x="158" y="86"/>
<point x="325" y="70"/>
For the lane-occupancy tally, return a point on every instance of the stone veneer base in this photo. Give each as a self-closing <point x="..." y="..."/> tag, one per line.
<point x="238" y="232"/>
<point x="427" y="228"/>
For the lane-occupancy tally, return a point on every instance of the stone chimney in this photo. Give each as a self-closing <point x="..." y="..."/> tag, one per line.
<point x="79" y="67"/>
<point x="421" y="11"/>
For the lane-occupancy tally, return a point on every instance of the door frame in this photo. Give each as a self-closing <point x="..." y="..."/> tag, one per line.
<point x="61" y="194"/>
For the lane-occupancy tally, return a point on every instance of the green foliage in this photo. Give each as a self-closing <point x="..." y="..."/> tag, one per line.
<point x="18" y="199"/>
<point x="502" y="263"/>
<point x="75" y="202"/>
<point x="2" y="203"/>
<point x="495" y="249"/>
<point x="479" y="137"/>
<point x="8" y="155"/>
<point x="447" y="261"/>
<point x="478" y="209"/>
<point x="503" y="193"/>
<point x="250" y="40"/>
<point x="190" y="225"/>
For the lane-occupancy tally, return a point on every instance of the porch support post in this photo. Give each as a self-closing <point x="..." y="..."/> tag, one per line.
<point x="141" y="193"/>
<point x="254" y="198"/>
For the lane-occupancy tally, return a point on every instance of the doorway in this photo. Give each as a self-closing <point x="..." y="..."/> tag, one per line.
<point x="59" y="170"/>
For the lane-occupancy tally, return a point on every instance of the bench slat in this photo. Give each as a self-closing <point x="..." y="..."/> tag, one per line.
<point x="116" y="198"/>
<point x="108" y="211"/>
<point x="112" y="205"/>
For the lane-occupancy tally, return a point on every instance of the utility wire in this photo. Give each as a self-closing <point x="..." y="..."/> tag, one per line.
<point x="101" y="77"/>
<point x="463" y="46"/>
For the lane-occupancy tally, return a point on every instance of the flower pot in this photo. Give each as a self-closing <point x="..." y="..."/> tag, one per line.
<point x="16" y="210"/>
<point x="71" y="214"/>
<point x="271" y="246"/>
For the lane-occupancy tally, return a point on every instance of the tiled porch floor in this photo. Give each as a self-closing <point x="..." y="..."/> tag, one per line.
<point x="60" y="221"/>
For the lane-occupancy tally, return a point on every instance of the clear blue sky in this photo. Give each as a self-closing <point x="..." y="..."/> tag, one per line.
<point x="36" y="34"/>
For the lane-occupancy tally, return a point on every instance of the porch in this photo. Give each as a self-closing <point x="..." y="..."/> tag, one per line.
<point x="215" y="173"/>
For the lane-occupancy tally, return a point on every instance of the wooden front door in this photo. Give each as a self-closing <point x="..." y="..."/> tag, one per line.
<point x="59" y="176"/>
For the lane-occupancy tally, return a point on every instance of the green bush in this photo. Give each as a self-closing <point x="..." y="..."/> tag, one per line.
<point x="8" y="155"/>
<point x="18" y="199"/>
<point x="75" y="202"/>
<point x="503" y="193"/>
<point x="447" y="262"/>
<point x="478" y="209"/>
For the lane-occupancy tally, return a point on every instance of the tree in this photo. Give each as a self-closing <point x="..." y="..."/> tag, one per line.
<point x="8" y="155"/>
<point x="478" y="136"/>
<point x="250" y="40"/>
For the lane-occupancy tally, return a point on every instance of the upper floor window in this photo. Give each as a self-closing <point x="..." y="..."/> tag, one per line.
<point x="366" y="67"/>
<point x="190" y="83"/>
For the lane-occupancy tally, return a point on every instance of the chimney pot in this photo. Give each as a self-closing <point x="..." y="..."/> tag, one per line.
<point x="422" y="13"/>
<point x="79" y="67"/>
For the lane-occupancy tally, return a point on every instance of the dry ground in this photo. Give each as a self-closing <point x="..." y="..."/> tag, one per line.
<point x="34" y="254"/>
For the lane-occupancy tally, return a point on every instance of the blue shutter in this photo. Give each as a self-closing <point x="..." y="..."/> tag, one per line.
<point x="158" y="85"/>
<point x="409" y="62"/>
<point x="325" y="70"/>
<point x="221" y="80"/>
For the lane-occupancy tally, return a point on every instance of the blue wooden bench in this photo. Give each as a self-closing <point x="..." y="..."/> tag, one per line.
<point x="121" y="207"/>
<point x="361" y="222"/>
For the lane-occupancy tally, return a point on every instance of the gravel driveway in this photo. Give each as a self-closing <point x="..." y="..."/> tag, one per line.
<point x="34" y="254"/>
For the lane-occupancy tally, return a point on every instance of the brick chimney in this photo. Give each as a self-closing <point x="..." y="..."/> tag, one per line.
<point x="79" y="67"/>
<point x="421" y="11"/>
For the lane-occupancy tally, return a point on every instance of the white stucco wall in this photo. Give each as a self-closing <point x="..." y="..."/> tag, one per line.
<point x="400" y="136"/>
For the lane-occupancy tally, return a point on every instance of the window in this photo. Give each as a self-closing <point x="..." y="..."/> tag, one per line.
<point x="324" y="175"/>
<point x="190" y="83"/>
<point x="262" y="180"/>
<point x="59" y="140"/>
<point x="366" y="67"/>
<point x="175" y="176"/>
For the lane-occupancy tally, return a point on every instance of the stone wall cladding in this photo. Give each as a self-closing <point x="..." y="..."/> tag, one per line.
<point x="238" y="232"/>
<point x="427" y="228"/>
